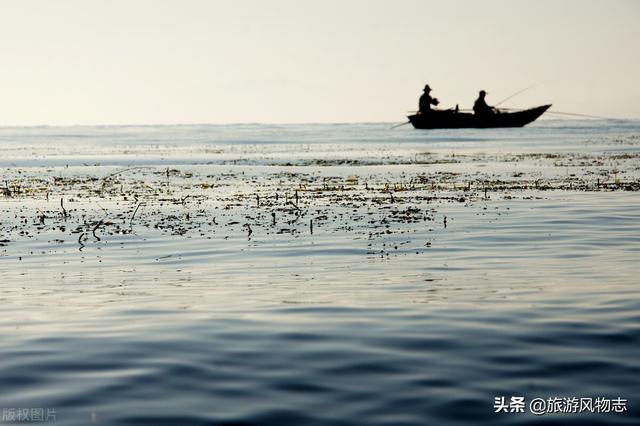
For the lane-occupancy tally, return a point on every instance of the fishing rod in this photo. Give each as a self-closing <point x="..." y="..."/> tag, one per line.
<point x="572" y="114"/>
<point x="597" y="117"/>
<point x="399" y="125"/>
<point x="517" y="93"/>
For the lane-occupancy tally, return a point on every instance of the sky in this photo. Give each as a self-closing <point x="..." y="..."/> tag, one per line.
<point x="74" y="62"/>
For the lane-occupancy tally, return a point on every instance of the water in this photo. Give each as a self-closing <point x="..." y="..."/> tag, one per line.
<point x="415" y="277"/>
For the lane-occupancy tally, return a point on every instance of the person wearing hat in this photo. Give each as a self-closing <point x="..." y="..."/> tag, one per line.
<point x="426" y="100"/>
<point x="480" y="106"/>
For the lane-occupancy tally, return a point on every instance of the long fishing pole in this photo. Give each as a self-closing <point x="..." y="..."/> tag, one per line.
<point x="401" y="124"/>
<point x="573" y="114"/>
<point x="597" y="117"/>
<point x="517" y="93"/>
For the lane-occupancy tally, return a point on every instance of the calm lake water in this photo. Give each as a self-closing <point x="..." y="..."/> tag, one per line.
<point x="342" y="274"/>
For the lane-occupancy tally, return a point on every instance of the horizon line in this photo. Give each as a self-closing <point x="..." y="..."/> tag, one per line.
<point x="260" y="123"/>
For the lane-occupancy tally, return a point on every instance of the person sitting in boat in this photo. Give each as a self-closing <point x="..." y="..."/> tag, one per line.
<point x="426" y="100"/>
<point x="480" y="106"/>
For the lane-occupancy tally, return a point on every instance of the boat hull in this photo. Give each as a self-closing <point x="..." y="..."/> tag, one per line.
<point x="449" y="119"/>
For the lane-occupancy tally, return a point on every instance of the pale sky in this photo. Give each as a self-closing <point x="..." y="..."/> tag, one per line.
<point x="289" y="61"/>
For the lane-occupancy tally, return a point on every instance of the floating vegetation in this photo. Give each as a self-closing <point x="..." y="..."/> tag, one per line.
<point x="376" y="197"/>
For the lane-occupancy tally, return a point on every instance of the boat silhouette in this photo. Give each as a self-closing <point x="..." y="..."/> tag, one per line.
<point x="452" y="119"/>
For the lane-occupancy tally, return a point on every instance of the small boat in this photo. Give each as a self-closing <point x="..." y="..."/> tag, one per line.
<point x="450" y="119"/>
